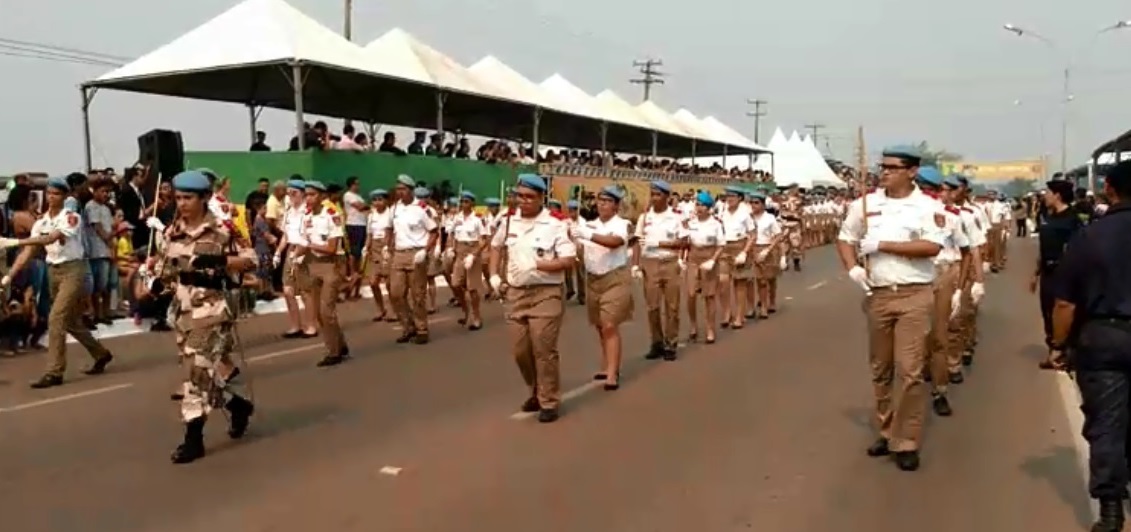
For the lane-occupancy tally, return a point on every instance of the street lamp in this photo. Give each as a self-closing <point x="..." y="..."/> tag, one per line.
<point x="1066" y="94"/>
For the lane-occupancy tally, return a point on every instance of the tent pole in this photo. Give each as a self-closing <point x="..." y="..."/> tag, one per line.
<point x="693" y="146"/>
<point x="252" y="118"/>
<point x="87" y="96"/>
<point x="604" y="129"/>
<point x="440" y="97"/>
<point x="725" y="165"/>
<point x="297" y="82"/>
<point x="655" y="143"/>
<point x="750" y="163"/>
<point x="537" y="126"/>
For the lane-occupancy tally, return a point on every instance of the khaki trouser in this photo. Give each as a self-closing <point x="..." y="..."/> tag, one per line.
<point x="326" y="277"/>
<point x="408" y="290"/>
<point x="66" y="285"/>
<point x="967" y="318"/>
<point x="534" y="320"/>
<point x="661" y="294"/>
<point x="995" y="242"/>
<point x="943" y="346"/>
<point x="899" y="319"/>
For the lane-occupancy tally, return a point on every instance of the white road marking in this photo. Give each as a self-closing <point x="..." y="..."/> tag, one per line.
<point x="61" y="398"/>
<point x="391" y="471"/>
<point x="817" y="285"/>
<point x="1070" y="399"/>
<point x="568" y="396"/>
<point x="312" y="347"/>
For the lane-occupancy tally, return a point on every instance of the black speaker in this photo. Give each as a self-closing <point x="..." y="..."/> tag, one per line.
<point x="163" y="151"/>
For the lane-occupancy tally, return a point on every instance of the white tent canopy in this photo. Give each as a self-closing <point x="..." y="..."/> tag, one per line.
<point x="725" y="131"/>
<point x="490" y="70"/>
<point x="691" y="123"/>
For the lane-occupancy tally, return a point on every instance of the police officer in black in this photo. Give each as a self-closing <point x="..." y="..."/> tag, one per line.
<point x="1061" y="222"/>
<point x="1092" y="319"/>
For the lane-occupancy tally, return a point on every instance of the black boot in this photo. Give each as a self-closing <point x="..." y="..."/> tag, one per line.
<point x="192" y="448"/>
<point x="239" y="412"/>
<point x="1111" y="516"/>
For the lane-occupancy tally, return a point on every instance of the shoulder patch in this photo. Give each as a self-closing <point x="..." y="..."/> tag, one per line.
<point x="940" y="220"/>
<point x="226" y="207"/>
<point x="72" y="219"/>
<point x="331" y="211"/>
<point x="422" y="203"/>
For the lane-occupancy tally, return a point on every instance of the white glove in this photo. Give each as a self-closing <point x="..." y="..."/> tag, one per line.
<point x="6" y="243"/>
<point x="419" y="257"/>
<point x="385" y="253"/>
<point x="636" y="273"/>
<point x="977" y="292"/>
<point x="468" y="261"/>
<point x="449" y="254"/>
<point x="763" y="254"/>
<point x="784" y="263"/>
<point x="707" y="265"/>
<point x="740" y="258"/>
<point x="682" y="265"/>
<point x="581" y="232"/>
<point x="154" y="223"/>
<point x="955" y="304"/>
<point x="276" y="261"/>
<point x="869" y="246"/>
<point x="365" y="251"/>
<point x="985" y="267"/>
<point x="859" y="276"/>
<point x="496" y="282"/>
<point x="6" y="281"/>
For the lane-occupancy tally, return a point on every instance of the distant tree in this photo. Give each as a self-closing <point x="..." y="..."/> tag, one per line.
<point x="1018" y="187"/>
<point x="935" y="157"/>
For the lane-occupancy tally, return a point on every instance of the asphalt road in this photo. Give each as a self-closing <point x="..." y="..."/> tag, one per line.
<point x="765" y="430"/>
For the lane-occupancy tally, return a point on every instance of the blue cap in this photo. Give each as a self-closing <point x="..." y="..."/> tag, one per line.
<point x="406" y="180"/>
<point x="757" y="194"/>
<point x="59" y="183"/>
<point x="208" y="173"/>
<point x="421" y="192"/>
<point x="453" y="201"/>
<point x="735" y="191"/>
<point x="532" y="181"/>
<point x="572" y="204"/>
<point x="613" y="192"/>
<point x="468" y="195"/>
<point x="554" y="202"/>
<point x="378" y="193"/>
<point x="192" y="181"/>
<point x="952" y="181"/>
<point x="662" y="186"/>
<point x="316" y="185"/>
<point x="71" y="204"/>
<point x="930" y="175"/>
<point x="905" y="151"/>
<point x="296" y="184"/>
<point x="492" y="202"/>
<point x="704" y="198"/>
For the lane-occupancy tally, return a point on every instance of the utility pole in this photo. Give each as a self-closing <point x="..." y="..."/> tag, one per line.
<point x="651" y="76"/>
<point x="758" y="113"/>
<point x="347" y="32"/>
<point x="816" y="129"/>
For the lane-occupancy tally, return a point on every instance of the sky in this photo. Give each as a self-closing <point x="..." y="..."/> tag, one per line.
<point x="906" y="71"/>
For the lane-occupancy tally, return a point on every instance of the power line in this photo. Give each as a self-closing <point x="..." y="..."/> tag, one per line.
<point x="25" y="54"/>
<point x="48" y="52"/>
<point x="758" y="113"/>
<point x="816" y="129"/>
<point x="62" y="50"/>
<point x="651" y="75"/>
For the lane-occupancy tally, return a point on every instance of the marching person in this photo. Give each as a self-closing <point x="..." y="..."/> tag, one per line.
<point x="575" y="278"/>
<point x="59" y="232"/>
<point x="609" y="278"/>
<point x="411" y="241"/>
<point x="703" y="246"/>
<point x="656" y="259"/>
<point x="971" y="279"/>
<point x="898" y="238"/>
<point x="1092" y="317"/>
<point x="539" y="251"/>
<point x="295" y="273"/>
<point x="491" y="218"/>
<point x="790" y="212"/>
<point x="734" y="272"/>
<point x="467" y="239"/>
<point x="977" y="226"/>
<point x="768" y="236"/>
<point x="196" y="265"/>
<point x="377" y="252"/>
<point x="325" y="257"/>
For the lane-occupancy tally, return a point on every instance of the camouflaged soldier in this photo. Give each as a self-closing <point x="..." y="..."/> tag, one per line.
<point x="790" y="215"/>
<point x="196" y="264"/>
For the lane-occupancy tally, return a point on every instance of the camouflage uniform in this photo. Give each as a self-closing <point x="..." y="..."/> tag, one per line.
<point x="790" y="215"/>
<point x="193" y="268"/>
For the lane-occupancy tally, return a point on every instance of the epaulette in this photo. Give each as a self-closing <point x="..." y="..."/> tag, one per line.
<point x="952" y="209"/>
<point x="422" y="203"/>
<point x="561" y="216"/>
<point x="510" y="211"/>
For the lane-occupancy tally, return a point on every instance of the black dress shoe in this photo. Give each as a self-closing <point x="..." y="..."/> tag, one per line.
<point x="99" y="366"/>
<point x="345" y="352"/>
<point x="941" y="406"/>
<point x="406" y="337"/>
<point x="290" y="335"/>
<point x="192" y="448"/>
<point x="547" y="415"/>
<point x="160" y="326"/>
<point x="656" y="352"/>
<point x="240" y="411"/>
<point x="669" y="352"/>
<point x="599" y="376"/>
<point x="531" y="405"/>
<point x="420" y="339"/>
<point x="967" y="357"/>
<point x="1111" y="516"/>
<point x="330" y="360"/>
<point x="956" y="378"/>
<point x="47" y="381"/>
<point x="907" y="460"/>
<point x="879" y="448"/>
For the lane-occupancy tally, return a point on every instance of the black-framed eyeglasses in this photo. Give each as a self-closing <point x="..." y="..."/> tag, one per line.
<point x="894" y="167"/>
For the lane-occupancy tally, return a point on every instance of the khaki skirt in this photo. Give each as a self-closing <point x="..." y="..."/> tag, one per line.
<point x="608" y="297"/>
<point x="769" y="268"/>
<point x="728" y="269"/>
<point x="462" y="276"/>
<point x="697" y="280"/>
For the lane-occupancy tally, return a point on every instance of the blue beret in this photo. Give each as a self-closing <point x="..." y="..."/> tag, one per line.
<point x="612" y="191"/>
<point x="952" y="181"/>
<point x="532" y="181"/>
<point x="71" y="204"/>
<point x="662" y="186"/>
<point x="378" y="193"/>
<point x="208" y="173"/>
<point x="59" y="183"/>
<point x="192" y="181"/>
<point x="705" y="199"/>
<point x="406" y="180"/>
<point x="910" y="152"/>
<point x="572" y="204"/>
<point x="735" y="191"/>
<point x="555" y="202"/>
<point x="930" y="175"/>
<point x="421" y="192"/>
<point x="492" y="202"/>
<point x="757" y="194"/>
<point x="468" y="195"/>
<point x="316" y="185"/>
<point x="296" y="184"/>
<point x="453" y="201"/>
